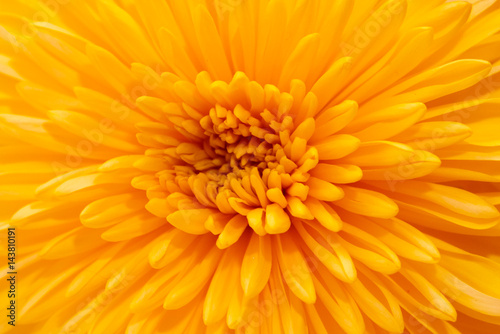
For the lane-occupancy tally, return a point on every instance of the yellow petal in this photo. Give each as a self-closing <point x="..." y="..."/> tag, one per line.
<point x="323" y="190"/>
<point x="187" y="289"/>
<point x="295" y="269"/>
<point x="232" y="231"/>
<point x="369" y="250"/>
<point x="367" y="202"/>
<point x="190" y="221"/>
<point x="222" y="286"/>
<point x="336" y="146"/>
<point x="76" y="241"/>
<point x="377" y="303"/>
<point x="337" y="173"/>
<point x="132" y="228"/>
<point x="277" y="220"/>
<point x="256" y="265"/>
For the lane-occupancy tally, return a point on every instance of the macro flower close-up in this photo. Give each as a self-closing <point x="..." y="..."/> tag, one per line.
<point x="250" y="166"/>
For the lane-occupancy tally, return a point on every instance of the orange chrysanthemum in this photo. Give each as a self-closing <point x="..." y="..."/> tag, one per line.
<point x="250" y="166"/>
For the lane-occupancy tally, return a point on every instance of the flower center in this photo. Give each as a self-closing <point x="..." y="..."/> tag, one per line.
<point x="251" y="159"/>
<point x="247" y="157"/>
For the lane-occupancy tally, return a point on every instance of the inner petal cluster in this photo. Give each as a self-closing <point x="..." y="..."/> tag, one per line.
<point x="248" y="153"/>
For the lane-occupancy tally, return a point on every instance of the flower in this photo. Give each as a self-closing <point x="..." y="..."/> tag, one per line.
<point x="248" y="166"/>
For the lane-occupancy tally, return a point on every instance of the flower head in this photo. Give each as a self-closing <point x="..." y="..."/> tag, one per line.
<point x="267" y="166"/>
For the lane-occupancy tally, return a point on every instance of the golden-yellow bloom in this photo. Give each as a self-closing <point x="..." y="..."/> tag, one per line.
<point x="250" y="166"/>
